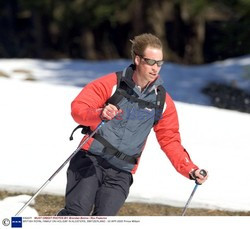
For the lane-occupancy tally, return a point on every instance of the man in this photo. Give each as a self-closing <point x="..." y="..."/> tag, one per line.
<point x="100" y="175"/>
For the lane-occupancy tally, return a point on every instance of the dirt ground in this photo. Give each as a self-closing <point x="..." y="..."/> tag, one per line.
<point x="49" y="205"/>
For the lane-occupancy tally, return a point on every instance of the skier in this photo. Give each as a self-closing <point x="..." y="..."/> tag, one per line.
<point x="99" y="176"/>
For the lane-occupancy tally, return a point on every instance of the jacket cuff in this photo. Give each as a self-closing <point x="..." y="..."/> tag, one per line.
<point x="192" y="174"/>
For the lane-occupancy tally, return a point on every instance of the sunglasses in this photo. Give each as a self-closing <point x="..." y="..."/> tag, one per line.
<point x="151" y="62"/>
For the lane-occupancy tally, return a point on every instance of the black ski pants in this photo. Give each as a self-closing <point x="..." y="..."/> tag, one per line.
<point x="94" y="187"/>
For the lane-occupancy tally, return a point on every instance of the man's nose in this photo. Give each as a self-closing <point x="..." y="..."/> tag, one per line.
<point x="155" y="67"/>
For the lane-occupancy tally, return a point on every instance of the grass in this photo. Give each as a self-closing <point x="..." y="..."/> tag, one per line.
<point x="23" y="72"/>
<point x="4" y="74"/>
<point x="49" y="205"/>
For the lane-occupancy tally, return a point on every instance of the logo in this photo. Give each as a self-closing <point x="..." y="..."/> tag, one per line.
<point x="16" y="221"/>
<point x="6" y="222"/>
<point x="148" y="109"/>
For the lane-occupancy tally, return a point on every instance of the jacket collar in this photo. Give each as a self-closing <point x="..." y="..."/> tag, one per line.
<point x="127" y="75"/>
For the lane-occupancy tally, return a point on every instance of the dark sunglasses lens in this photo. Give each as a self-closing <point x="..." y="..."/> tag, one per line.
<point x="160" y="63"/>
<point x="150" y="62"/>
<point x="153" y="62"/>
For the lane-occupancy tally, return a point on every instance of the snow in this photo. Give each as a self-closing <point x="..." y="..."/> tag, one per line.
<point x="15" y="203"/>
<point x="36" y="123"/>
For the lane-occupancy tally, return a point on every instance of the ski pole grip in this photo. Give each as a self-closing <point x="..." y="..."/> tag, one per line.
<point x="203" y="172"/>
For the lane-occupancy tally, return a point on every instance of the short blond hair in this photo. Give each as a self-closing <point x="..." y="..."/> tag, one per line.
<point x="142" y="41"/>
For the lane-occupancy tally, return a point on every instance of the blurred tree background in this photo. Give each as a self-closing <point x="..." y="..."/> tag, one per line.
<point x="193" y="31"/>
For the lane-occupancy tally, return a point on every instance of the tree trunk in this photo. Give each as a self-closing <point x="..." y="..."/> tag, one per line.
<point x="38" y="33"/>
<point x="88" y="44"/>
<point x="8" y="41"/>
<point x="149" y="17"/>
<point x="194" y="46"/>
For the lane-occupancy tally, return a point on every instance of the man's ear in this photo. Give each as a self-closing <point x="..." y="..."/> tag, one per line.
<point x="137" y="60"/>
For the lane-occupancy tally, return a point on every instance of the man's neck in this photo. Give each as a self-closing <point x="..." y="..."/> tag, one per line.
<point x="142" y="84"/>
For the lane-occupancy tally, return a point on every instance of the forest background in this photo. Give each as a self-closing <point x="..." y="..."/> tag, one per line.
<point x="192" y="31"/>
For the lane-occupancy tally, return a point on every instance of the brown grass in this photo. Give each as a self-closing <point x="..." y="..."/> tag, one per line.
<point x="49" y="205"/>
<point x="4" y="74"/>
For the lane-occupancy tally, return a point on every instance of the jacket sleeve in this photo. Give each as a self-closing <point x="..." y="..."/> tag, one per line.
<point x="87" y="106"/>
<point x="168" y="136"/>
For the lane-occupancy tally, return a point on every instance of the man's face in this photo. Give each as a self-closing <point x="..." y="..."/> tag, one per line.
<point x="145" y="70"/>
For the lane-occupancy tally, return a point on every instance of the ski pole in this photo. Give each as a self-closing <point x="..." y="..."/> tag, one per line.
<point x="60" y="168"/>
<point x="203" y="173"/>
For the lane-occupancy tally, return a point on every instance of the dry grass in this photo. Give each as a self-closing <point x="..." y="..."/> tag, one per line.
<point x="4" y="74"/>
<point x="49" y="205"/>
<point x="24" y="74"/>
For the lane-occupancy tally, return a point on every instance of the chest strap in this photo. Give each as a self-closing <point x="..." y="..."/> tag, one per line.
<point x="108" y="148"/>
<point x="142" y="103"/>
<point x="111" y="150"/>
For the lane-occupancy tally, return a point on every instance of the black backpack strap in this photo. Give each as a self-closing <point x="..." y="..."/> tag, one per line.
<point x="160" y="101"/>
<point x="116" y="97"/>
<point x="85" y="130"/>
<point x="111" y="150"/>
<point x="108" y="148"/>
